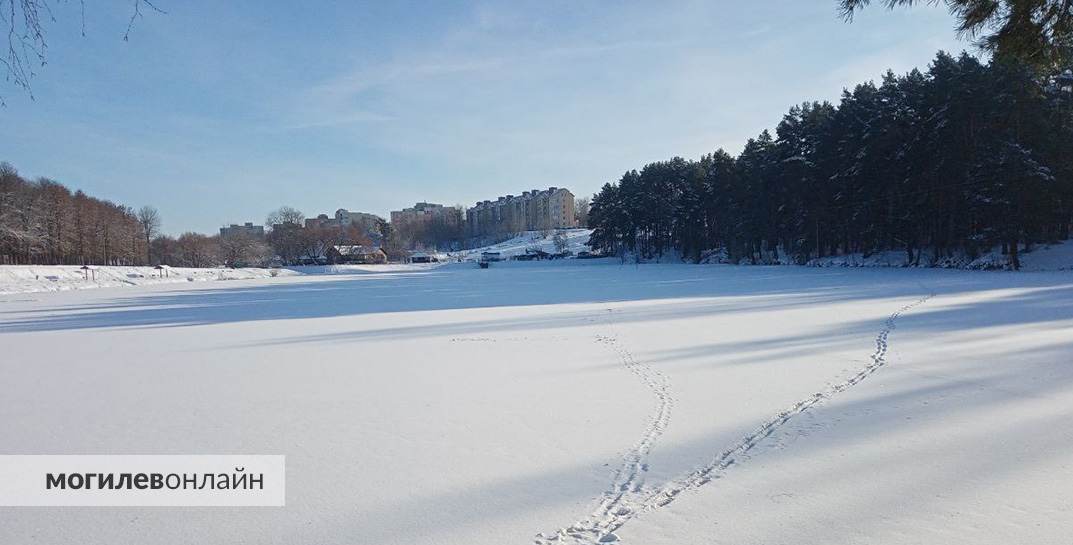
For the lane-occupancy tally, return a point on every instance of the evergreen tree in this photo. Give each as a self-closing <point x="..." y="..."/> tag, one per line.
<point x="958" y="159"/>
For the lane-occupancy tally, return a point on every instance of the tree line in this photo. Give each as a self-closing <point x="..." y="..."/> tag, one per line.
<point x="446" y="231"/>
<point x="42" y="221"/>
<point x="294" y="243"/>
<point x="955" y="160"/>
<point x="288" y="241"/>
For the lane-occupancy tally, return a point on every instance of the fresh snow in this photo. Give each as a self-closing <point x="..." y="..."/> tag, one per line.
<point x="575" y="401"/>
<point x="1051" y="257"/>
<point x="576" y="241"/>
<point x="1043" y="257"/>
<point x="35" y="278"/>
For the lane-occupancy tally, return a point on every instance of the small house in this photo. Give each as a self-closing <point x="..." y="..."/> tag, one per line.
<point x="356" y="255"/>
<point x="422" y="257"/>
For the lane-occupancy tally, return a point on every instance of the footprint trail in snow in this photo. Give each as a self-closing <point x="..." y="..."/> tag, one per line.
<point x="617" y="501"/>
<point x="627" y="496"/>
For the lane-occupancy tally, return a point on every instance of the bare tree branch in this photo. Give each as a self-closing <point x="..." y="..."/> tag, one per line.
<point x="137" y="15"/>
<point x="25" y="23"/>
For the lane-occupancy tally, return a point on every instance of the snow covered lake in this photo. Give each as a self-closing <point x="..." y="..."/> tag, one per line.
<point x="566" y="402"/>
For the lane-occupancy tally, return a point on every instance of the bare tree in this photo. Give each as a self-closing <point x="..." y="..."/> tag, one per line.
<point x="43" y="222"/>
<point x="149" y="219"/>
<point x="196" y="250"/>
<point x="287" y="237"/>
<point x="243" y="250"/>
<point x="581" y="211"/>
<point x="285" y="215"/>
<point x="25" y="22"/>
<point x="316" y="241"/>
<point x="166" y="250"/>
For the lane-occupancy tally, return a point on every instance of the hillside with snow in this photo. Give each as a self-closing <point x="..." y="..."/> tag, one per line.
<point x="576" y="241"/>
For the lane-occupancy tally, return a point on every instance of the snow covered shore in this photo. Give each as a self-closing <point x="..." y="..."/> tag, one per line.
<point x="1042" y="257"/>
<point x="38" y="278"/>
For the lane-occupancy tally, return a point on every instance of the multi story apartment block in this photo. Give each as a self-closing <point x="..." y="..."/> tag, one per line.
<point x="248" y="229"/>
<point x="535" y="210"/>
<point x="424" y="212"/>
<point x="367" y="223"/>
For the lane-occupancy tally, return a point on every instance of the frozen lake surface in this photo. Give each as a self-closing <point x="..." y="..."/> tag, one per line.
<point x="566" y="402"/>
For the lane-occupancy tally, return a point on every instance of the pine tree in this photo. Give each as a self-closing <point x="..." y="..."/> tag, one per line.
<point x="957" y="159"/>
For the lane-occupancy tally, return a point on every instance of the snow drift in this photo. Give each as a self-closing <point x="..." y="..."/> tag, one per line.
<point x="37" y="278"/>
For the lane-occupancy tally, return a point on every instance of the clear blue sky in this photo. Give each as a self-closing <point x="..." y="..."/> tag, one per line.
<point x="219" y="112"/>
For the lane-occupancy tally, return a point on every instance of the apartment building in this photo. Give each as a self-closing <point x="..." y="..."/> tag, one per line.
<point x="426" y="212"/>
<point x="248" y="229"/>
<point x="367" y="223"/>
<point x="535" y="210"/>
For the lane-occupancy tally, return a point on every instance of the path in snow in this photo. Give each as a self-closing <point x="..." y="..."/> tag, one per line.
<point x="628" y="496"/>
<point x="629" y="478"/>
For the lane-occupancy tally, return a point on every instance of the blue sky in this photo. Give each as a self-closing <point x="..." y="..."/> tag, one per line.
<point x="219" y="112"/>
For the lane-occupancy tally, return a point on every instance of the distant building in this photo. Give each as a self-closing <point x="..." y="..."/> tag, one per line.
<point x="426" y="212"/>
<point x="423" y="257"/>
<point x="356" y="254"/>
<point x="369" y="223"/>
<point x="320" y="221"/>
<point x="249" y="229"/>
<point x="535" y="210"/>
<point x="343" y="218"/>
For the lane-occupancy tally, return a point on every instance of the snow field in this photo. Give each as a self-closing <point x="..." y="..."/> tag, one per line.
<point x="957" y="440"/>
<point x="567" y="402"/>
